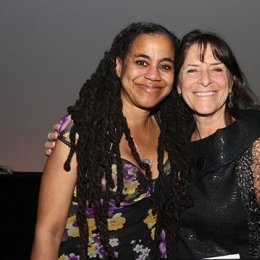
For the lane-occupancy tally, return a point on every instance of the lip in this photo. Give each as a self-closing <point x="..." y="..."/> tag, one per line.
<point x="149" y="88"/>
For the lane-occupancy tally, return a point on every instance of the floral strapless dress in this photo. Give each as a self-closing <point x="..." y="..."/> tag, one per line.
<point x="131" y="226"/>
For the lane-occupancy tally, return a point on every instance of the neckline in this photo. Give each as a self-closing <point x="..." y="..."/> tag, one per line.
<point x="166" y="163"/>
<point x="215" y="134"/>
<point x="225" y="145"/>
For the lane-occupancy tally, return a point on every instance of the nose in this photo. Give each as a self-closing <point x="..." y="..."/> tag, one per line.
<point x="153" y="73"/>
<point x="205" y="78"/>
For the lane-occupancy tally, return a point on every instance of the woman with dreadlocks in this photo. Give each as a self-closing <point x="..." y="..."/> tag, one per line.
<point x="126" y="153"/>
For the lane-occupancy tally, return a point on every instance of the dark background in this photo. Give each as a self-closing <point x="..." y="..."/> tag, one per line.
<point x="48" y="48"/>
<point x="18" y="202"/>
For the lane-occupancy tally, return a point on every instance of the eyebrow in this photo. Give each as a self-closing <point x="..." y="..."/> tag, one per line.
<point x="148" y="58"/>
<point x="211" y="64"/>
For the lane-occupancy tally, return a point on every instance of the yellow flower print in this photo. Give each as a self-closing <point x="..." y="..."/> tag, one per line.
<point x="150" y="219"/>
<point x="142" y="196"/>
<point x="67" y="257"/>
<point x="91" y="225"/>
<point x="67" y="137"/>
<point x="116" y="222"/>
<point x="72" y="229"/>
<point x="130" y="187"/>
<point x="92" y="248"/>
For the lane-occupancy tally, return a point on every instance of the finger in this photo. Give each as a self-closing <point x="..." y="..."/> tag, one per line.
<point x="47" y="145"/>
<point x="52" y="136"/>
<point x="56" y="127"/>
<point x="48" y="152"/>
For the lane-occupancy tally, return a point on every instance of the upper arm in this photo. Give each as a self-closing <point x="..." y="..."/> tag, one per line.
<point x="56" y="191"/>
<point x="256" y="168"/>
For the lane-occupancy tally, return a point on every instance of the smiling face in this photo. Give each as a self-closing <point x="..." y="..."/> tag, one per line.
<point x="204" y="85"/>
<point x="146" y="72"/>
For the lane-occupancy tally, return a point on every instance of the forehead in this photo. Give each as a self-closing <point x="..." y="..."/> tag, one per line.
<point x="200" y="53"/>
<point x="156" y="44"/>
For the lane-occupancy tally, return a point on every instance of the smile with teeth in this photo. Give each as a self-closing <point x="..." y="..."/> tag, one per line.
<point x="204" y="93"/>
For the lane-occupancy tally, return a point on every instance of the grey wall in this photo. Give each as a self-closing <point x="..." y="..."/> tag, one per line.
<point x="48" y="48"/>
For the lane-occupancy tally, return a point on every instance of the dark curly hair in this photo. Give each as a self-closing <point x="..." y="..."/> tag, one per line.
<point x="100" y="123"/>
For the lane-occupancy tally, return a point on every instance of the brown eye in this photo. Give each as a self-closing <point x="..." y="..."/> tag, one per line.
<point x="191" y="70"/>
<point x="218" y="69"/>
<point x="166" y="67"/>
<point x="141" y="63"/>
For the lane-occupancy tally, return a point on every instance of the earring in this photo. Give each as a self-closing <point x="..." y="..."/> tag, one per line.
<point x="230" y="103"/>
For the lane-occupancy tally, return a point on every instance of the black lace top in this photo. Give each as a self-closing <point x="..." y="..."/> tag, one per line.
<point x="225" y="217"/>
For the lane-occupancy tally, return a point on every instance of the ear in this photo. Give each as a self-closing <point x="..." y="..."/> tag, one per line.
<point x="118" y="67"/>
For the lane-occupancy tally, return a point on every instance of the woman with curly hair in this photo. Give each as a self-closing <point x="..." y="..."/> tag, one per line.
<point x="127" y="154"/>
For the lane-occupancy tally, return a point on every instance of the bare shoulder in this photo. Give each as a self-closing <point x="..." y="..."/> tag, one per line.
<point x="54" y="167"/>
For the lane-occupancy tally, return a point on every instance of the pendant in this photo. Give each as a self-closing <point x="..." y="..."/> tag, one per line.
<point x="147" y="161"/>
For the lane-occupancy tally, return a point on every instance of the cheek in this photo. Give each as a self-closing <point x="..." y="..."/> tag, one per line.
<point x="225" y="84"/>
<point x="225" y="94"/>
<point x="169" y="79"/>
<point x="187" y="99"/>
<point x="172" y="80"/>
<point x="168" y="90"/>
<point x="185" y="85"/>
<point x="128" y="71"/>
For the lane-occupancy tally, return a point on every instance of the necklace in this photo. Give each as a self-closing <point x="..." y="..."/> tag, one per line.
<point x="144" y="159"/>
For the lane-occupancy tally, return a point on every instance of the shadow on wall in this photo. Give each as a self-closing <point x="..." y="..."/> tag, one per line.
<point x="18" y="201"/>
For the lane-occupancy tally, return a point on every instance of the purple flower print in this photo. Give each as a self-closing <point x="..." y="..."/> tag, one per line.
<point x="64" y="122"/>
<point x="162" y="245"/>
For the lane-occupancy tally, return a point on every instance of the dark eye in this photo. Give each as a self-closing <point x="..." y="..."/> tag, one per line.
<point x="218" y="69"/>
<point x="166" y="67"/>
<point x="141" y="63"/>
<point x="191" y="70"/>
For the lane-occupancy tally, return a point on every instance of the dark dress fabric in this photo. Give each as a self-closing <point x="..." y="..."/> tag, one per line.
<point x="217" y="223"/>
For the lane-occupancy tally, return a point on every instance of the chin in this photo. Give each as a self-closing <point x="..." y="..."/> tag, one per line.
<point x="205" y="112"/>
<point x="150" y="104"/>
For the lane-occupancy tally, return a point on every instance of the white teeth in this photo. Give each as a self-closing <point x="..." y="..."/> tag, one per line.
<point x="208" y="93"/>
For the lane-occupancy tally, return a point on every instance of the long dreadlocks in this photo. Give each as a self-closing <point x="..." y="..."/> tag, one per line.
<point x="100" y="123"/>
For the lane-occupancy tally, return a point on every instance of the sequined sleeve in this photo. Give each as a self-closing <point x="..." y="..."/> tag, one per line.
<point x="256" y="168"/>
